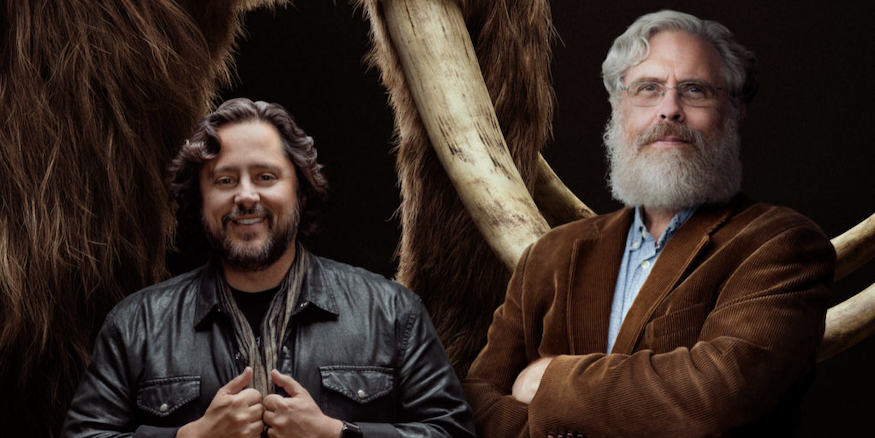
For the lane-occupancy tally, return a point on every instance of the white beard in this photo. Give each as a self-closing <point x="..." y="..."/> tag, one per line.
<point x="708" y="171"/>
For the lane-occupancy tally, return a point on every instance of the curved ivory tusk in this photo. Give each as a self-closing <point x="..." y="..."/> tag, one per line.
<point x="441" y="68"/>
<point x="853" y="320"/>
<point x="558" y="204"/>
<point x="848" y="323"/>
<point x="855" y="247"/>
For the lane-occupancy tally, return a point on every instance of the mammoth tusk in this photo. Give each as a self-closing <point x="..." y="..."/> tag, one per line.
<point x="853" y="320"/>
<point x="444" y="77"/>
<point x="848" y="323"/>
<point x="855" y="247"/>
<point x="558" y="204"/>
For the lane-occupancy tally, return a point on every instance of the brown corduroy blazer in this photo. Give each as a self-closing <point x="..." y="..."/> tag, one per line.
<point x="721" y="339"/>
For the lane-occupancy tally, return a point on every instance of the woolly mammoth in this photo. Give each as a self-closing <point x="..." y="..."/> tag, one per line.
<point x="96" y="96"/>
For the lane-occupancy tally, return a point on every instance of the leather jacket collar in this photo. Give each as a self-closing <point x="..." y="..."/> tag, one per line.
<point x="317" y="291"/>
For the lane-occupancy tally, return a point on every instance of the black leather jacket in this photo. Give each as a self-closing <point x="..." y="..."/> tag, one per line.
<point x="363" y="346"/>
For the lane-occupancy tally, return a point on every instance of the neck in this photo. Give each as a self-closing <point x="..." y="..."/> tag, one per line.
<point x="257" y="281"/>
<point x="656" y="220"/>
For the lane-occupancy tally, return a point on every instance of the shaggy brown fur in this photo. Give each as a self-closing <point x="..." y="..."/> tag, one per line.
<point x="512" y="39"/>
<point x="95" y="96"/>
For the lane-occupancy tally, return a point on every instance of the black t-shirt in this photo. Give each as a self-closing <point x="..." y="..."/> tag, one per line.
<point x="254" y="306"/>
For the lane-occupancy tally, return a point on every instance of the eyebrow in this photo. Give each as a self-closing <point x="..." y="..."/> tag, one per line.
<point x="660" y="81"/>
<point x="646" y="79"/>
<point x="257" y="166"/>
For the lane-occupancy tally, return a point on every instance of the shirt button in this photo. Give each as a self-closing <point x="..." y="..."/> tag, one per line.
<point x="163" y="407"/>
<point x="285" y="350"/>
<point x="636" y="245"/>
<point x="361" y="393"/>
<point x="645" y="264"/>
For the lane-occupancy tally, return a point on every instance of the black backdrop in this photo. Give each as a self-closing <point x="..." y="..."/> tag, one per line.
<point x="806" y="141"/>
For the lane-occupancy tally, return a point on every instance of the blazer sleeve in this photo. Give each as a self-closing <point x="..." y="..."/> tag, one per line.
<point x="760" y="338"/>
<point x="491" y="376"/>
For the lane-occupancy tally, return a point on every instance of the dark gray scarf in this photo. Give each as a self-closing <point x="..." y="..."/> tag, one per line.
<point x="273" y="327"/>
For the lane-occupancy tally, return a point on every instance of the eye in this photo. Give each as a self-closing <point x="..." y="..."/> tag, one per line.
<point x="647" y="88"/>
<point x="224" y="181"/>
<point x="697" y="90"/>
<point x="266" y="177"/>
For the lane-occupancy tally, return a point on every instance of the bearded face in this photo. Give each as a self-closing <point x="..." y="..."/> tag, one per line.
<point x="251" y="201"/>
<point x="706" y="170"/>
<point x="244" y="252"/>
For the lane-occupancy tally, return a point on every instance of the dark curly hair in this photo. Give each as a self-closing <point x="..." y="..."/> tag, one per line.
<point x="203" y="145"/>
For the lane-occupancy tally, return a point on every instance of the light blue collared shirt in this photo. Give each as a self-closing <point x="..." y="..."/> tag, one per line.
<point x="638" y="258"/>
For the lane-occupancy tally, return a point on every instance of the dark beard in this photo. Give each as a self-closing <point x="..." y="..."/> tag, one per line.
<point x="257" y="259"/>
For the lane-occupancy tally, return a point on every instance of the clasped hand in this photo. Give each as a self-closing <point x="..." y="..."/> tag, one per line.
<point x="240" y="412"/>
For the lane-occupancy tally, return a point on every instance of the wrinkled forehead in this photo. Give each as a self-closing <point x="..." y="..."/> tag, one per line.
<point x="677" y="56"/>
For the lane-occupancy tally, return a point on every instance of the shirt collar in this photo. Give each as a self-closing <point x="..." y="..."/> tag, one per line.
<point x="207" y="295"/>
<point x="679" y="219"/>
<point x="315" y="291"/>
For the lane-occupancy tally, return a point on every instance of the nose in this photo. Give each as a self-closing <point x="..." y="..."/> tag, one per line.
<point x="670" y="108"/>
<point x="246" y="195"/>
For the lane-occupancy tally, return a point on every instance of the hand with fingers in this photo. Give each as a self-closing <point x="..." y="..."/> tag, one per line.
<point x="529" y="380"/>
<point x="235" y="412"/>
<point x="297" y="415"/>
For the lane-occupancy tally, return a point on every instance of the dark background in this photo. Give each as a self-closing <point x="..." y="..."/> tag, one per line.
<point x="806" y="138"/>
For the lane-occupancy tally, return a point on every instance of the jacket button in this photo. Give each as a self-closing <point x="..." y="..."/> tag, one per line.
<point x="163" y="407"/>
<point x="361" y="393"/>
<point x="285" y="350"/>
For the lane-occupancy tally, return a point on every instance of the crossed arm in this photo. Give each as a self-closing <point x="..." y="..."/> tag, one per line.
<point x="759" y="339"/>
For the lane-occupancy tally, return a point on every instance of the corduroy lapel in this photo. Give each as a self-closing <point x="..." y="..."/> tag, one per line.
<point x="680" y="252"/>
<point x="595" y="260"/>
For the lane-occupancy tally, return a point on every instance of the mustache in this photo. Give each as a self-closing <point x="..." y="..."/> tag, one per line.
<point x="240" y="211"/>
<point x="670" y="129"/>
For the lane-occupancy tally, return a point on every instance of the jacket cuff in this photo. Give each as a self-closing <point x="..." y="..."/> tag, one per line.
<point x="546" y="412"/>
<point x="374" y="430"/>
<point x="155" y="432"/>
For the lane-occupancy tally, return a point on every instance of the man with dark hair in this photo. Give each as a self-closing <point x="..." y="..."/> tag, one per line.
<point x="692" y="312"/>
<point x="266" y="339"/>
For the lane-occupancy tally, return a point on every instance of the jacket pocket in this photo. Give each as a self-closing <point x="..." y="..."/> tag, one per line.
<point x="679" y="328"/>
<point x="360" y="384"/>
<point x="163" y="396"/>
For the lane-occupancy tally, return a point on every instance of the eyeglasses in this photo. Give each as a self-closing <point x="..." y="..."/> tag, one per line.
<point x="695" y="94"/>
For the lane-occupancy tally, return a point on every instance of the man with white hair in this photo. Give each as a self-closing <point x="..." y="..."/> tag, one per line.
<point x="691" y="312"/>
